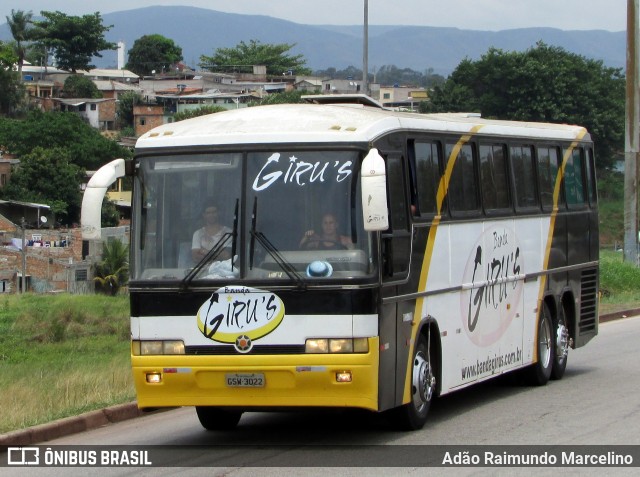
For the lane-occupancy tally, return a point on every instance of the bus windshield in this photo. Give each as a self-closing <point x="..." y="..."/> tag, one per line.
<point x="281" y="215"/>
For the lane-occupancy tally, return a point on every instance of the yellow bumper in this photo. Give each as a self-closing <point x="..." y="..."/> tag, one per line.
<point x="306" y="380"/>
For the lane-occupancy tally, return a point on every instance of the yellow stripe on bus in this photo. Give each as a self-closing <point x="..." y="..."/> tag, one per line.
<point x="552" y="223"/>
<point x="443" y="188"/>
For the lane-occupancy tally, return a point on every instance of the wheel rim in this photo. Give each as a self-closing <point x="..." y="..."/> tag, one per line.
<point x="423" y="382"/>
<point x="562" y="342"/>
<point x="544" y="343"/>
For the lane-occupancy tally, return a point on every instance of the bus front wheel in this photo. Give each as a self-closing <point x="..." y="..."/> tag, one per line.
<point x="413" y="415"/>
<point x="217" y="419"/>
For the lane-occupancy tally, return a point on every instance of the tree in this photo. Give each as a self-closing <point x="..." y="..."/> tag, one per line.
<point x="288" y="97"/>
<point x="545" y="84"/>
<point x="153" y="53"/>
<point x="19" y="23"/>
<point x="127" y="101"/>
<point x="11" y="88"/>
<point x="74" y="40"/>
<point x="86" y="147"/>
<point x="47" y="175"/>
<point x="113" y="271"/>
<point x="245" y="55"/>
<point x="201" y="111"/>
<point x="80" y="86"/>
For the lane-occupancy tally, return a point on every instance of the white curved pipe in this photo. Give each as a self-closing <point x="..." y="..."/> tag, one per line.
<point x="90" y="214"/>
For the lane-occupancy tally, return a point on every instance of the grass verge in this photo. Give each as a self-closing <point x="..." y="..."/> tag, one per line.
<point x="61" y="355"/>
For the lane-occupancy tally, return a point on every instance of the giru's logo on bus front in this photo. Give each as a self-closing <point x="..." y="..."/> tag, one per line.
<point x="299" y="172"/>
<point x="234" y="312"/>
<point x="494" y="269"/>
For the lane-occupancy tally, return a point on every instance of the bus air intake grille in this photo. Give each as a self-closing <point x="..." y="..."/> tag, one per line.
<point x="588" y="300"/>
<point x="257" y="349"/>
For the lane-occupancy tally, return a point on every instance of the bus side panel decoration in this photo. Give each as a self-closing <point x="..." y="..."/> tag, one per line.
<point x="374" y="192"/>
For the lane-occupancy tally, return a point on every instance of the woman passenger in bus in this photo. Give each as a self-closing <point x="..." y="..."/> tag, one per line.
<point x="208" y="236"/>
<point x="328" y="239"/>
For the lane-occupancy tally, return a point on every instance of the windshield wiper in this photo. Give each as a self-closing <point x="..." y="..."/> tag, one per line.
<point x="273" y="251"/>
<point x="211" y="254"/>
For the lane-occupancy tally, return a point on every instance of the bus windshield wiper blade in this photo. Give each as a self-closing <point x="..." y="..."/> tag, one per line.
<point x="211" y="254"/>
<point x="279" y="259"/>
<point x="271" y="249"/>
<point x="234" y="243"/>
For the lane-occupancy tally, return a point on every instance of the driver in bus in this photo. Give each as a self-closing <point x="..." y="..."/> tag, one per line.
<point x="208" y="236"/>
<point x="328" y="239"/>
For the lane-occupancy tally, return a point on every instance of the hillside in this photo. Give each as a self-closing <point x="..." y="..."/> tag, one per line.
<point x="200" y="31"/>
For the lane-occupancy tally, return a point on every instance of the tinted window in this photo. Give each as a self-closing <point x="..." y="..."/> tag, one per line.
<point x="547" y="174"/>
<point x="493" y="176"/>
<point x="524" y="176"/>
<point x="463" y="188"/>
<point x="428" y="175"/>
<point x="574" y="178"/>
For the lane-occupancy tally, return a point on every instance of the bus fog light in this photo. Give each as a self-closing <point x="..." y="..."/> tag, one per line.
<point x="343" y="376"/>
<point x="154" y="378"/>
<point x="316" y="346"/>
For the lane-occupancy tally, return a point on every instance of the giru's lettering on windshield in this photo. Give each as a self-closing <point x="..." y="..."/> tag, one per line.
<point x="299" y="172"/>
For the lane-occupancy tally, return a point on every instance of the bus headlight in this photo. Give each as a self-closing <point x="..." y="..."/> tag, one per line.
<point x="336" y="345"/>
<point x="148" y="348"/>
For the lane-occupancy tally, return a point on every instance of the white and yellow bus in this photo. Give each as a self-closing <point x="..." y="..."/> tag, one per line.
<point x="460" y="249"/>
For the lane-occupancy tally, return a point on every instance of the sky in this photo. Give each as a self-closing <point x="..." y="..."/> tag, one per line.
<point x="492" y="15"/>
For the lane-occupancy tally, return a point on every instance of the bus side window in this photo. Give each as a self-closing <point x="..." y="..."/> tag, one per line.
<point x="524" y="176"/>
<point x="591" y="177"/>
<point x="574" y="179"/>
<point x="463" y="186"/>
<point x="397" y="244"/>
<point x="493" y="177"/>
<point x="548" y="164"/>
<point x="428" y="173"/>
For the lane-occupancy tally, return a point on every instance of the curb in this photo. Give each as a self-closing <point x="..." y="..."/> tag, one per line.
<point x="110" y="415"/>
<point x="71" y="425"/>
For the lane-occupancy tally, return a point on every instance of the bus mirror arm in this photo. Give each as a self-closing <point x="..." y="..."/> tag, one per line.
<point x="90" y="215"/>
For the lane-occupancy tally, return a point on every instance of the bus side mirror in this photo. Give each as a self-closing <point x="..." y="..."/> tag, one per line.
<point x="373" y="178"/>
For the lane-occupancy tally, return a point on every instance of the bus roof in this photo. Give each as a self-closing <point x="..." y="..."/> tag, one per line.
<point x="334" y="124"/>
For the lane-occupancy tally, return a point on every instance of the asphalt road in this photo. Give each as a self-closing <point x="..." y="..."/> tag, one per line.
<point x="596" y="403"/>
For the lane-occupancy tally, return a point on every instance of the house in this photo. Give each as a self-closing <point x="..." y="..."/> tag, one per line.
<point x="99" y="113"/>
<point x="50" y="259"/>
<point x="402" y="97"/>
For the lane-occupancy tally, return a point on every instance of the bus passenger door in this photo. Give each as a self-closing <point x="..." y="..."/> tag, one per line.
<point x="395" y="331"/>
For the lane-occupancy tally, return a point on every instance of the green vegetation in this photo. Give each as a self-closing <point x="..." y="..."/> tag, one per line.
<point x="244" y="55"/>
<point x="544" y="83"/>
<point x="619" y="283"/>
<point x="153" y="54"/>
<point x="61" y="355"/>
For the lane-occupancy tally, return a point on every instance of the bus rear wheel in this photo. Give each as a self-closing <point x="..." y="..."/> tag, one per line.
<point x="540" y="372"/>
<point x="562" y="345"/>
<point x="413" y="415"/>
<point x="217" y="419"/>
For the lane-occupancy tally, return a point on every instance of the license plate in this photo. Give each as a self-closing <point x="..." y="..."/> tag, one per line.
<point x="245" y="380"/>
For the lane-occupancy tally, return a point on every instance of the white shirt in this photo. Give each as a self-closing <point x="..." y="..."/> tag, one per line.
<point x="202" y="240"/>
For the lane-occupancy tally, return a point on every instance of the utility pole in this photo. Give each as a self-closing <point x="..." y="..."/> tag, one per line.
<point x="365" y="53"/>
<point x="632" y="138"/>
<point x="23" y="278"/>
